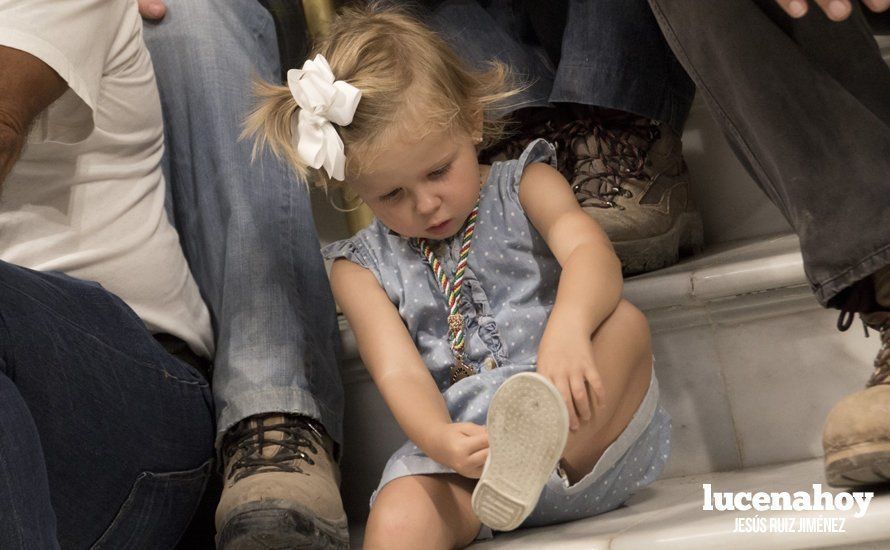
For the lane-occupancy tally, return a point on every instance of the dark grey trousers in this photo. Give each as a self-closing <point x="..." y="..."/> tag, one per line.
<point x="806" y="106"/>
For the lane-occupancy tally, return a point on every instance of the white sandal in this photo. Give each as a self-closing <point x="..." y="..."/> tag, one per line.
<point x="528" y="425"/>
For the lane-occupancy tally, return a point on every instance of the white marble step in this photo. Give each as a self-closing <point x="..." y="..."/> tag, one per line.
<point x="727" y="270"/>
<point x="668" y="515"/>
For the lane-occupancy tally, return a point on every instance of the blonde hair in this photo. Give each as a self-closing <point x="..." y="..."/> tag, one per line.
<point x="411" y="82"/>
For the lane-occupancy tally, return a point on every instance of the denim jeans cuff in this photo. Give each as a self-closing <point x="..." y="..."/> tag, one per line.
<point x="618" y="88"/>
<point x="278" y="400"/>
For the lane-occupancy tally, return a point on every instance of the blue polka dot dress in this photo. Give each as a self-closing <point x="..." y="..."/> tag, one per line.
<point x="508" y="291"/>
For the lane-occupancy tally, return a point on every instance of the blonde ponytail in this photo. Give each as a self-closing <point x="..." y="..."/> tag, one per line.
<point x="271" y="125"/>
<point x="410" y="80"/>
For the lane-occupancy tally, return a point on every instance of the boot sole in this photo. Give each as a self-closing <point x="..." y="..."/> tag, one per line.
<point x="262" y="526"/>
<point x="859" y="465"/>
<point x="686" y="236"/>
<point x="528" y="425"/>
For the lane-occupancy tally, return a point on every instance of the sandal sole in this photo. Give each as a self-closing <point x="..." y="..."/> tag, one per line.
<point x="528" y="427"/>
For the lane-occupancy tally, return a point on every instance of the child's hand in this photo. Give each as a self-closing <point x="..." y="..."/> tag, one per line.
<point x="567" y="361"/>
<point x="463" y="447"/>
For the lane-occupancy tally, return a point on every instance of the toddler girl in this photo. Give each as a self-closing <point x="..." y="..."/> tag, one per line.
<point x="478" y="291"/>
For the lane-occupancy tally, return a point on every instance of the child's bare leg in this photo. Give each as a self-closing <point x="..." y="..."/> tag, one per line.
<point x="622" y="353"/>
<point x="423" y="511"/>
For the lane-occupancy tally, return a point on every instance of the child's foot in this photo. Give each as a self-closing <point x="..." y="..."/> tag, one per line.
<point x="528" y="425"/>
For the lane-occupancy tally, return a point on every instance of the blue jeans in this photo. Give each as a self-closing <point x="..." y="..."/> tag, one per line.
<point x="612" y="53"/>
<point x="246" y="227"/>
<point x="105" y="438"/>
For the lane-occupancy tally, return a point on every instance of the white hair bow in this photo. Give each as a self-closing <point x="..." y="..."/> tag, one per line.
<point x="322" y="101"/>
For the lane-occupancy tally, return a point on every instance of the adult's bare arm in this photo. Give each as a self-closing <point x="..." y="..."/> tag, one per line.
<point x="152" y="9"/>
<point x="27" y="87"/>
<point x="836" y="10"/>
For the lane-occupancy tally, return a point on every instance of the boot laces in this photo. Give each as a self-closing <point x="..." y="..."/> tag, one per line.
<point x="860" y="298"/>
<point x="881" y="375"/>
<point x="602" y="154"/>
<point x="596" y="153"/>
<point x="521" y="134"/>
<point x="250" y="440"/>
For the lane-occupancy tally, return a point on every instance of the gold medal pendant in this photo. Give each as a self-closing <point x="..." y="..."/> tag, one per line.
<point x="459" y="371"/>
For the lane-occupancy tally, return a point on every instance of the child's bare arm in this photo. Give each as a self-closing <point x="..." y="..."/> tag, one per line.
<point x="397" y="369"/>
<point x="589" y="286"/>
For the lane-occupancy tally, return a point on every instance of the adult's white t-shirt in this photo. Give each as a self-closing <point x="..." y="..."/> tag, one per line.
<point x="86" y="197"/>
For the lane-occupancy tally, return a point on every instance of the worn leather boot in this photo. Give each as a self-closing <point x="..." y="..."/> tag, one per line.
<point x="856" y="437"/>
<point x="629" y="175"/>
<point x="281" y="487"/>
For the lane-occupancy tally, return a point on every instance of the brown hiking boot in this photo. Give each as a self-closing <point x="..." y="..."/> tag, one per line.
<point x="856" y="437"/>
<point x="526" y="126"/>
<point x="280" y="487"/>
<point x="629" y="175"/>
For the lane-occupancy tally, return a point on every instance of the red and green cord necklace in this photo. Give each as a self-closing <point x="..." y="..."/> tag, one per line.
<point x="452" y="290"/>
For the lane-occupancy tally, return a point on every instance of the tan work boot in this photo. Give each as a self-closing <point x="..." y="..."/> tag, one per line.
<point x="281" y="487"/>
<point x="856" y="437"/>
<point x="630" y="176"/>
<point x="525" y="126"/>
<point x="627" y="173"/>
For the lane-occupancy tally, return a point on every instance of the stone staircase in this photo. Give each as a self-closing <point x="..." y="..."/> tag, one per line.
<point x="749" y="366"/>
